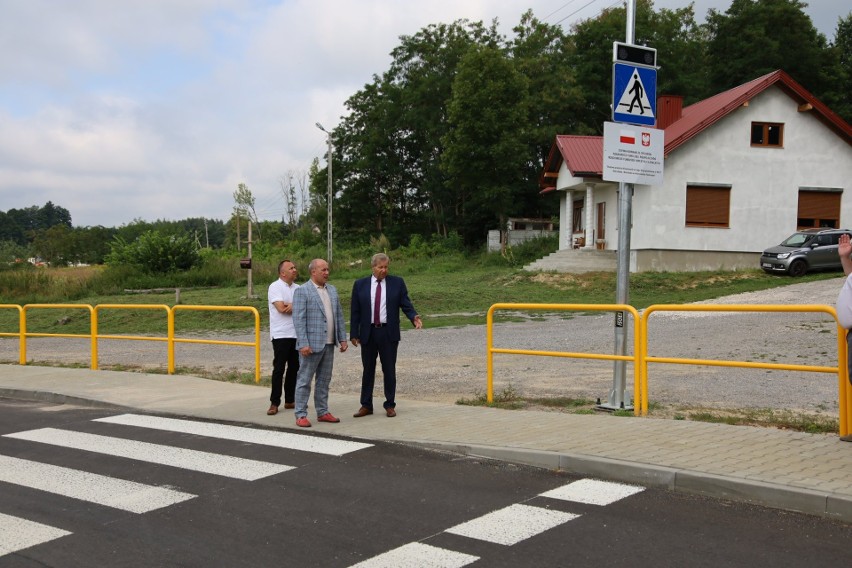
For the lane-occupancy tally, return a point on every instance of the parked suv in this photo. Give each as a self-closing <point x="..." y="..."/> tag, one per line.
<point x="809" y="249"/>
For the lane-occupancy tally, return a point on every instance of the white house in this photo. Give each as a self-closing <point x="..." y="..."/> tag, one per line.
<point x="742" y="170"/>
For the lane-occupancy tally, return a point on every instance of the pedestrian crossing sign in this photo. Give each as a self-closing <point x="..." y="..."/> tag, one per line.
<point x="634" y="90"/>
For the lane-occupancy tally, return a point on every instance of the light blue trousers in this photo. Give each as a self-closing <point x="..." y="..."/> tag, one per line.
<point x="320" y="364"/>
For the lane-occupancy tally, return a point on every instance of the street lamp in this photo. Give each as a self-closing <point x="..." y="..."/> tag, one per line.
<point x="328" y="239"/>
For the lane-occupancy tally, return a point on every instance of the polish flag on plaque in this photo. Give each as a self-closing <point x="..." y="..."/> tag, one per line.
<point x="627" y="137"/>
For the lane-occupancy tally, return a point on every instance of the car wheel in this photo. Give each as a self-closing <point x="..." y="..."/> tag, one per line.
<point x="798" y="268"/>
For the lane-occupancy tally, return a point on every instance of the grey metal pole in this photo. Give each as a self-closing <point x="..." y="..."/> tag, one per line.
<point x="622" y="288"/>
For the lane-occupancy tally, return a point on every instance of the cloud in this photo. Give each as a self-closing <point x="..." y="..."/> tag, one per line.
<point x="158" y="109"/>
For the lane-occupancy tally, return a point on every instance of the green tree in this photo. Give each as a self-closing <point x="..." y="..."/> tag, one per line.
<point x="10" y="230"/>
<point x="50" y="215"/>
<point x="838" y="75"/>
<point x="391" y="141"/>
<point x="92" y="243"/>
<point x="755" y="37"/>
<point x="542" y="54"/>
<point x="486" y="146"/>
<point x="56" y="245"/>
<point x="245" y="205"/>
<point x="12" y="253"/>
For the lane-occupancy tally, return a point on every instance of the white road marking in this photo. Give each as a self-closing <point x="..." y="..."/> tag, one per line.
<point x="91" y="487"/>
<point x="512" y="525"/>
<point x="205" y="462"/>
<point x="418" y="555"/>
<point x="240" y="434"/>
<point x="593" y="492"/>
<point x="17" y="534"/>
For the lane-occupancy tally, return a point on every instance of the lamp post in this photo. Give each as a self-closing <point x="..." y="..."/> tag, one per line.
<point x="328" y="239"/>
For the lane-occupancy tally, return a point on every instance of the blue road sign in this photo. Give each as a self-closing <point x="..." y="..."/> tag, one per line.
<point x="634" y="94"/>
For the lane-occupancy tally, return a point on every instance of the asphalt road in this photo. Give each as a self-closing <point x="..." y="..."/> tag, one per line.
<point x="314" y="500"/>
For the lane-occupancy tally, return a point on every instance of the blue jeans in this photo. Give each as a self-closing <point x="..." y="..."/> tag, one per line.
<point x="320" y="364"/>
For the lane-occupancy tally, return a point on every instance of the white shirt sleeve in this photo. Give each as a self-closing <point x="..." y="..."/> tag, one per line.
<point x="844" y="304"/>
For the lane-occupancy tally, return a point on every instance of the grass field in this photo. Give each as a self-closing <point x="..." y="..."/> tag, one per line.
<point x="444" y="293"/>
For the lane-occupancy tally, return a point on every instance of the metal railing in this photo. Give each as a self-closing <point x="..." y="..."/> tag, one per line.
<point x="641" y="358"/>
<point x="844" y="390"/>
<point x="94" y="336"/>
<point x="564" y="307"/>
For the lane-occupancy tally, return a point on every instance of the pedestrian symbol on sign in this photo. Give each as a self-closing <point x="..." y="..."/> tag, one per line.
<point x="634" y="100"/>
<point x="634" y="94"/>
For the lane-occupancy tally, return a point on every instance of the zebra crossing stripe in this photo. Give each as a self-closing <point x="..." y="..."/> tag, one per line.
<point x="17" y="534"/>
<point x="116" y="493"/>
<point x="206" y="462"/>
<point x="593" y="492"/>
<point x="418" y="555"/>
<point x="512" y="524"/>
<point x="240" y="434"/>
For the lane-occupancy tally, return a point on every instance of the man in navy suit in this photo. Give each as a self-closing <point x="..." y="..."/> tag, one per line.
<point x="376" y="303"/>
<point x="318" y="318"/>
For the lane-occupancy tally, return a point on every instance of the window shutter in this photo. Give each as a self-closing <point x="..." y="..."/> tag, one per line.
<point x="708" y="206"/>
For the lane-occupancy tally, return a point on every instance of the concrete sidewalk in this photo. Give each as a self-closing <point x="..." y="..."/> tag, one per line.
<point x="789" y="470"/>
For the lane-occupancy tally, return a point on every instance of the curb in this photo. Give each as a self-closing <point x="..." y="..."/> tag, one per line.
<point x="801" y="500"/>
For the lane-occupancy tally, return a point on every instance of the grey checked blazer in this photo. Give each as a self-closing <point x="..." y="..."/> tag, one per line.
<point x="309" y="317"/>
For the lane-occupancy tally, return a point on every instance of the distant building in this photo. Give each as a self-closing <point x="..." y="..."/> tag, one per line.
<point x="521" y="230"/>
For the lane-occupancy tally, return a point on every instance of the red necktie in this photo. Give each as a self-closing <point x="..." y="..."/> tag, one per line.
<point x="377" y="318"/>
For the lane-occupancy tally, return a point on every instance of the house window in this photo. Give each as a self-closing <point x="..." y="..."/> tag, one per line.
<point x="708" y="206"/>
<point x="818" y="209"/>
<point x="769" y="134"/>
<point x="577" y="223"/>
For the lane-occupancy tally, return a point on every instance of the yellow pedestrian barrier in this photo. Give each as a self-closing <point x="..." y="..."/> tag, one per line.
<point x="21" y="348"/>
<point x="565" y="307"/>
<point x="94" y="335"/>
<point x="844" y="390"/>
<point x="255" y="343"/>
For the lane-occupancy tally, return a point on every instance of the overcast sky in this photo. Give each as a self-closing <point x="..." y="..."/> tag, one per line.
<point x="118" y="110"/>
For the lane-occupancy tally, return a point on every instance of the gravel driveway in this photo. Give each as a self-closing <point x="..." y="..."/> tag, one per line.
<point x="445" y="364"/>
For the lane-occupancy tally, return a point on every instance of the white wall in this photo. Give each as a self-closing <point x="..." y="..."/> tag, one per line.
<point x="764" y="182"/>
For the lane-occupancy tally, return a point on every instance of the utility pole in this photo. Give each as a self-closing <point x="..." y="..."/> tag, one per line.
<point x="250" y="284"/>
<point x="329" y="199"/>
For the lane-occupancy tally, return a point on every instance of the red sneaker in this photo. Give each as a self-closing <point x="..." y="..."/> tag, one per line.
<point x="303" y="422"/>
<point x="327" y="417"/>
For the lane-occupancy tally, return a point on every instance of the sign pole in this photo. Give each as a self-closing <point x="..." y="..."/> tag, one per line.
<point x="622" y="287"/>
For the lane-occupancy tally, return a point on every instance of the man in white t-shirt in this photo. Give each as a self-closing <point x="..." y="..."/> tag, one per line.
<point x="283" y="335"/>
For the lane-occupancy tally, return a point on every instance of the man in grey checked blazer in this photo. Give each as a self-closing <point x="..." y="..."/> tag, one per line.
<point x="318" y="318"/>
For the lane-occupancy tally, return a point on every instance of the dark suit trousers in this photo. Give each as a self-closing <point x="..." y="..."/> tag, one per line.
<point x="379" y="346"/>
<point x="284" y="353"/>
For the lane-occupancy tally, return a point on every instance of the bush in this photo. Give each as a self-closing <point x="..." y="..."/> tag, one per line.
<point x="155" y="253"/>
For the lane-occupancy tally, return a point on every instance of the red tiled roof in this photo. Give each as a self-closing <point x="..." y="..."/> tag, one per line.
<point x="583" y="155"/>
<point x="702" y="114"/>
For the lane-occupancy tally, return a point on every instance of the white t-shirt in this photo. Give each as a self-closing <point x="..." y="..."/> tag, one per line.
<point x="281" y="325"/>
<point x="844" y="304"/>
